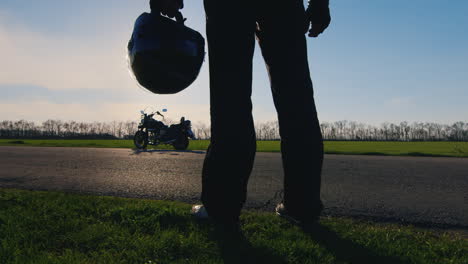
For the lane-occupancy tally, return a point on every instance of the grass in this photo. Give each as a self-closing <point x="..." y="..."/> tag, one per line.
<point x="52" y="227"/>
<point x="430" y="149"/>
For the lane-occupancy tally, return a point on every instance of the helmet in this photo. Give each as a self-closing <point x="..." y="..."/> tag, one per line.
<point x="165" y="55"/>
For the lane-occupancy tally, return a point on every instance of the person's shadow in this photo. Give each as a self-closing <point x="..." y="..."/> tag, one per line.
<point x="346" y="250"/>
<point x="235" y="248"/>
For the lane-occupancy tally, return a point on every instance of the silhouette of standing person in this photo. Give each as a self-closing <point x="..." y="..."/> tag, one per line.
<point x="280" y="28"/>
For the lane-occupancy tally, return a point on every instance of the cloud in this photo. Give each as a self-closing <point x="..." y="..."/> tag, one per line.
<point x="42" y="110"/>
<point x="64" y="75"/>
<point x="89" y="54"/>
<point x="61" y="62"/>
<point x="30" y="93"/>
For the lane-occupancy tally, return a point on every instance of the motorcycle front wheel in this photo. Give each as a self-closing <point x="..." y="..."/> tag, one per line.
<point x="140" y="140"/>
<point x="181" y="143"/>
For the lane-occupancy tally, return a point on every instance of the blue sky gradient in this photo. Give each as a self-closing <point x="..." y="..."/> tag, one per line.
<point x="379" y="61"/>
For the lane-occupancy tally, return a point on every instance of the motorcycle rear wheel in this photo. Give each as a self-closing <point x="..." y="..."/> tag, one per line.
<point x="140" y="140"/>
<point x="181" y="143"/>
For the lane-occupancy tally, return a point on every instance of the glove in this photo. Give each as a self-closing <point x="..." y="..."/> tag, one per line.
<point x="168" y="8"/>
<point x="318" y="15"/>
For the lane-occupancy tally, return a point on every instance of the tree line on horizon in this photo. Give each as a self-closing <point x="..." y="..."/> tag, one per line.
<point x="339" y="130"/>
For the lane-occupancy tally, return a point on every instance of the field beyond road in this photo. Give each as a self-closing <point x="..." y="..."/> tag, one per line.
<point x="52" y="227"/>
<point x="387" y="148"/>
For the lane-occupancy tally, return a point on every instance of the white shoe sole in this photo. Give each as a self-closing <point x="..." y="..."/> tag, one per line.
<point x="199" y="212"/>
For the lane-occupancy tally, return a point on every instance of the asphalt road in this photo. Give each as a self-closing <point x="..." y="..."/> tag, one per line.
<point x="418" y="190"/>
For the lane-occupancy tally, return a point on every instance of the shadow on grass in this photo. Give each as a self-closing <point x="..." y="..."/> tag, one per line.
<point x="345" y="250"/>
<point x="235" y="249"/>
<point x="408" y="154"/>
<point x="419" y="154"/>
<point x="17" y="142"/>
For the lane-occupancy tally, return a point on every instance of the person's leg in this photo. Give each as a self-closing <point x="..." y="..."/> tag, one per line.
<point x="281" y="29"/>
<point x="230" y="157"/>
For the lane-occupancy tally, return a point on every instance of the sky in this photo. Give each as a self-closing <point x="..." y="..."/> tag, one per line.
<point x="380" y="61"/>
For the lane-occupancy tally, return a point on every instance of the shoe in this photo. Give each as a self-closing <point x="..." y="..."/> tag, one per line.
<point x="282" y="212"/>
<point x="224" y="226"/>
<point x="199" y="212"/>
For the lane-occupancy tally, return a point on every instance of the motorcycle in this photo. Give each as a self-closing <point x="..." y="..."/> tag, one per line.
<point x="154" y="132"/>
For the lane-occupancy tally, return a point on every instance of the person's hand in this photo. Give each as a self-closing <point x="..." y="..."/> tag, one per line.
<point x="171" y="8"/>
<point x="319" y="17"/>
<point x="317" y="29"/>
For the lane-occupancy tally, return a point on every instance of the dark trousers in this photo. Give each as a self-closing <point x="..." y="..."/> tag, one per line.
<point x="231" y="30"/>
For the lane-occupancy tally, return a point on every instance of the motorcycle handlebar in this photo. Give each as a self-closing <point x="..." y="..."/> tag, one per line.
<point x="152" y="115"/>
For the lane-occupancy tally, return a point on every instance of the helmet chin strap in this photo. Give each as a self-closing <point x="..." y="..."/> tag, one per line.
<point x="180" y="18"/>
